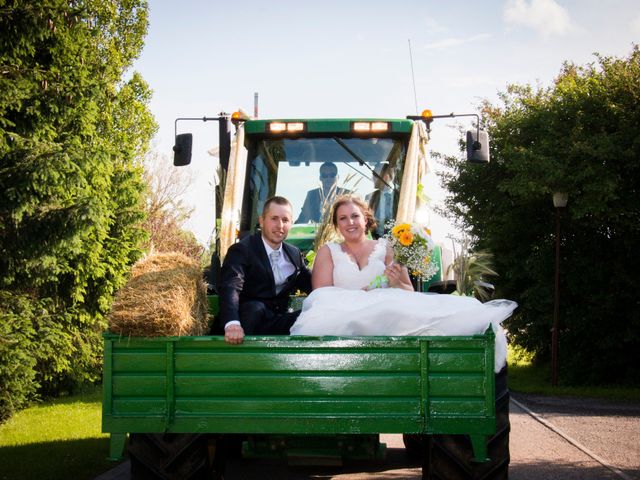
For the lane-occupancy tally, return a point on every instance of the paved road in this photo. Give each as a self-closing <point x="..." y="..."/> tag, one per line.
<point x="609" y="431"/>
<point x="551" y="438"/>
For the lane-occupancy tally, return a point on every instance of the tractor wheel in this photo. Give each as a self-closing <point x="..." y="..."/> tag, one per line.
<point x="413" y="445"/>
<point x="171" y="456"/>
<point x="450" y="455"/>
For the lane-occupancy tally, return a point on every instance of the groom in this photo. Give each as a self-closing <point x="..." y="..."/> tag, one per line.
<point x="258" y="274"/>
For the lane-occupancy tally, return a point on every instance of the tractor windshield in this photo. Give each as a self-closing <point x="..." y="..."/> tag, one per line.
<point x="311" y="172"/>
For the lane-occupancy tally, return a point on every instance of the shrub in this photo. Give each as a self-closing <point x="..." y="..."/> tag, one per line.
<point x="17" y="360"/>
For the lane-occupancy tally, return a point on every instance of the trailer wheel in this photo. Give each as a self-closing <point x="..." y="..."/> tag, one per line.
<point x="171" y="456"/>
<point x="448" y="457"/>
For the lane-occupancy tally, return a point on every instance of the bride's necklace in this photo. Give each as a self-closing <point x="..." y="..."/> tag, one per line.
<point x="357" y="258"/>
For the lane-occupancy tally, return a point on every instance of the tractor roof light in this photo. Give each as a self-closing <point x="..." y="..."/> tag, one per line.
<point x="379" y="126"/>
<point x="427" y="117"/>
<point x="361" y="127"/>
<point x="285" y="127"/>
<point x="239" y="116"/>
<point x="365" y="127"/>
<point x="277" y="127"/>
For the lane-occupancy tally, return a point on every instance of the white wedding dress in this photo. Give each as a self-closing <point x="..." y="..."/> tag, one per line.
<point x="346" y="309"/>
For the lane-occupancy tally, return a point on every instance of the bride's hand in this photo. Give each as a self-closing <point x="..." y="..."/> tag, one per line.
<point x="398" y="276"/>
<point x="393" y="272"/>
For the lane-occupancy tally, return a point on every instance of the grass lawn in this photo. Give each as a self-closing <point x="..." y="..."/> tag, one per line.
<point x="60" y="439"/>
<point x="525" y="377"/>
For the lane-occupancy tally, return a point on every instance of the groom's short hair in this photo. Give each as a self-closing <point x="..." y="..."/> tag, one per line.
<point x="278" y="201"/>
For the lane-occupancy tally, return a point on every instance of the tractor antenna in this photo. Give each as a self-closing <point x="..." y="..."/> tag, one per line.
<point x="255" y="105"/>
<point x="413" y="78"/>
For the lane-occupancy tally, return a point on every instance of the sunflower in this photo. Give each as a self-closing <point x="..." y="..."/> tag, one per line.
<point x="406" y="238"/>
<point x="399" y="229"/>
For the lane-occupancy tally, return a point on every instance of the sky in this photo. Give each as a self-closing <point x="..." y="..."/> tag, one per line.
<point x="359" y="58"/>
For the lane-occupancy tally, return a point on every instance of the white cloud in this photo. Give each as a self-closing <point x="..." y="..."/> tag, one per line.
<point x="545" y="16"/>
<point x="433" y="26"/>
<point x="455" y="41"/>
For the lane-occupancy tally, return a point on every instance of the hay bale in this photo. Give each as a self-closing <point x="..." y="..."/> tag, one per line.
<point x="165" y="296"/>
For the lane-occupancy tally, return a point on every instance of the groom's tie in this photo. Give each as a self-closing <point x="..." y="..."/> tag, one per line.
<point x="277" y="273"/>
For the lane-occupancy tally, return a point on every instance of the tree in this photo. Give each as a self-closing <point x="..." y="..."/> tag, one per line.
<point x="578" y="136"/>
<point x="166" y="212"/>
<point x="72" y="136"/>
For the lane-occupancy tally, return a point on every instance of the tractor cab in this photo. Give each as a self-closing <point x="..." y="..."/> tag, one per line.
<point x="311" y="162"/>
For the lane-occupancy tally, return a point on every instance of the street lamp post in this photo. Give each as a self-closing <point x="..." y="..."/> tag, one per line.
<point x="559" y="202"/>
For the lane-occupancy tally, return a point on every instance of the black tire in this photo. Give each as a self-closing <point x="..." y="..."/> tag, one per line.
<point x="450" y="455"/>
<point x="171" y="456"/>
<point x="413" y="445"/>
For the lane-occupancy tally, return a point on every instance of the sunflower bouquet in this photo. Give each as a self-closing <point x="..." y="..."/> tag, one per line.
<point x="413" y="247"/>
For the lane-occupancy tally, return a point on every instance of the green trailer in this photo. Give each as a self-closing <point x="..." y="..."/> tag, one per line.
<point x="181" y="398"/>
<point x="300" y="385"/>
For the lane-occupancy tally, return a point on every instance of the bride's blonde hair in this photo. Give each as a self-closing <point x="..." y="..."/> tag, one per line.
<point x="370" y="220"/>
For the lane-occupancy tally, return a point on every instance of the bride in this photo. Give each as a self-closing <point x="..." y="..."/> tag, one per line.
<point x="342" y="304"/>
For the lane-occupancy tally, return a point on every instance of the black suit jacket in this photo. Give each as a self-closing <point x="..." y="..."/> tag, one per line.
<point x="247" y="275"/>
<point x="312" y="207"/>
<point x="373" y="199"/>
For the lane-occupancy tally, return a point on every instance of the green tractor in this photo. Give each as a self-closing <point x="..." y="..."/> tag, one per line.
<point x="286" y="157"/>
<point x="339" y="393"/>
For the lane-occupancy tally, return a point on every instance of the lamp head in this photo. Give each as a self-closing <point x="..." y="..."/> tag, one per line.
<point x="560" y="199"/>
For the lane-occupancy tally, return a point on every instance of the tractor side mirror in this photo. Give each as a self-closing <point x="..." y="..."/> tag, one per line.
<point x="182" y="150"/>
<point x="477" y="146"/>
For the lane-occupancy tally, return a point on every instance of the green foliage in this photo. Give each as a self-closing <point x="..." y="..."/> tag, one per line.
<point x="166" y="212"/>
<point x="72" y="135"/>
<point x="17" y="336"/>
<point x="528" y="376"/>
<point x="579" y="136"/>
<point x="471" y="270"/>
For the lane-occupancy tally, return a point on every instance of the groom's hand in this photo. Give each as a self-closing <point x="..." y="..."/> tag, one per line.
<point x="234" y="334"/>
